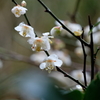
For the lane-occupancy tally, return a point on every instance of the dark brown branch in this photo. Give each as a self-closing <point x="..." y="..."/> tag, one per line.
<point x="67" y="75"/>
<point x="64" y="27"/>
<point x="91" y="49"/>
<point x="14" y="2"/>
<point x="84" y="64"/>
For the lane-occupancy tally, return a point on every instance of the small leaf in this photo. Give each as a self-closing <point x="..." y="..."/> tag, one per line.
<point x="93" y="27"/>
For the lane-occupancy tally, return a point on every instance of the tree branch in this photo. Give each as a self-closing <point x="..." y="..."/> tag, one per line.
<point x="91" y="49"/>
<point x="84" y="65"/>
<point x="64" y="27"/>
<point x="67" y="75"/>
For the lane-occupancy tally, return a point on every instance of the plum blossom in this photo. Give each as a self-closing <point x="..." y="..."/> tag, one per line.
<point x="25" y="30"/>
<point x="40" y="43"/>
<point x="18" y="10"/>
<point x="38" y="57"/>
<point x="51" y="62"/>
<point x="79" y="51"/>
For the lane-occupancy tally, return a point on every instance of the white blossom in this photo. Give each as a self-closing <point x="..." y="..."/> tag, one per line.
<point x="96" y="37"/>
<point x="25" y="30"/>
<point x="18" y="10"/>
<point x="40" y="43"/>
<point x="51" y="62"/>
<point x="38" y="57"/>
<point x="79" y="51"/>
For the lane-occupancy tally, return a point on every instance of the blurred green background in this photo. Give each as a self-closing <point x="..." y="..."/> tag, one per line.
<point x="12" y="45"/>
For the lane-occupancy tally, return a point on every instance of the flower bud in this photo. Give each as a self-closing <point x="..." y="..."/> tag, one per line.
<point x="78" y="33"/>
<point x="56" y="30"/>
<point x="23" y="3"/>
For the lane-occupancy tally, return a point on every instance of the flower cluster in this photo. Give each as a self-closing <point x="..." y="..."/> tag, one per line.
<point x="41" y="43"/>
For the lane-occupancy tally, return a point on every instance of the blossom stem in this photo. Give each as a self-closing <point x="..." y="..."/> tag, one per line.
<point x="64" y="27"/>
<point x="27" y="20"/>
<point x="47" y="53"/>
<point x="14" y="2"/>
<point x="84" y="66"/>
<point x="91" y="49"/>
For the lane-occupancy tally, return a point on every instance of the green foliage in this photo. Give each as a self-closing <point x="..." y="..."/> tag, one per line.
<point x="93" y="90"/>
<point x="95" y="25"/>
<point x="74" y="95"/>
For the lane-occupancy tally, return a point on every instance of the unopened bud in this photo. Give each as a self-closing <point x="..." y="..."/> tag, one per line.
<point x="56" y="30"/>
<point x="78" y="33"/>
<point x="23" y="3"/>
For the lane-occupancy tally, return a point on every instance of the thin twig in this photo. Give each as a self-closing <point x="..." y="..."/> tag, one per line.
<point x="91" y="49"/>
<point x="84" y="65"/>
<point x="14" y="2"/>
<point x="67" y="75"/>
<point x="27" y="20"/>
<point x="64" y="27"/>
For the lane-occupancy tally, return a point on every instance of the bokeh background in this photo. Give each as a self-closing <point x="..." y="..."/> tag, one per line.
<point x="19" y="74"/>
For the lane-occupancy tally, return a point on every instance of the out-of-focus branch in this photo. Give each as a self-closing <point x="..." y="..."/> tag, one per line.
<point x="73" y="16"/>
<point x="10" y="55"/>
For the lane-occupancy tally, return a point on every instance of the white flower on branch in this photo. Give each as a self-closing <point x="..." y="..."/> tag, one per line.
<point x="40" y="43"/>
<point x="18" y="10"/>
<point x="25" y="30"/>
<point x="51" y="62"/>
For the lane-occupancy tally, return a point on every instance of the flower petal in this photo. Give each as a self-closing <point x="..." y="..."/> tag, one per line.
<point x="58" y="63"/>
<point x="42" y="65"/>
